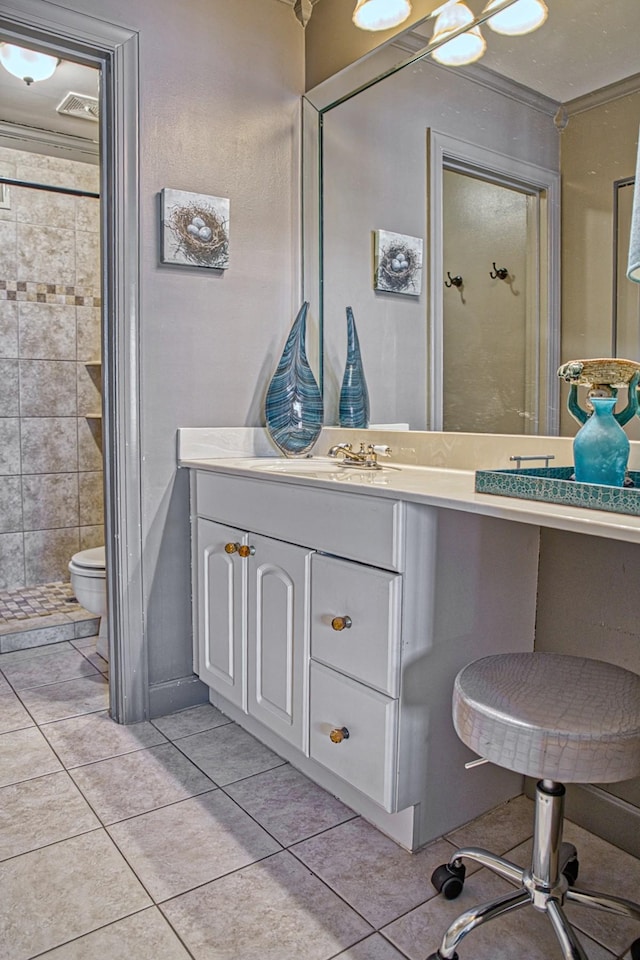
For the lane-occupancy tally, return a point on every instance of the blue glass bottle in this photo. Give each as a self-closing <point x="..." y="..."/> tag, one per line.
<point x="354" y="396"/>
<point x="293" y="405"/>
<point x="601" y="447"/>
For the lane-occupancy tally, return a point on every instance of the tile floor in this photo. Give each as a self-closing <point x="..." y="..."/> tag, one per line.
<point x="186" y="838"/>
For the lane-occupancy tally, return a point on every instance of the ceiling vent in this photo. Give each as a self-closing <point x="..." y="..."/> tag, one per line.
<point x="80" y="105"/>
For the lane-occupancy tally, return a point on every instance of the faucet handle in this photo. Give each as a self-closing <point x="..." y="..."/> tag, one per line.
<point x="381" y="449"/>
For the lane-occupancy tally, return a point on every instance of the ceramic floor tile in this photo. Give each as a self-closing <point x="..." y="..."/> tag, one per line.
<point x="25" y="754"/>
<point x="145" y="936"/>
<point x="70" y="698"/>
<point x="13" y="715"/>
<point x="228" y="753"/>
<point x="272" y="910"/>
<point x="184" y="845"/>
<point x="4" y="684"/>
<point x="97" y="661"/>
<point x="95" y="736"/>
<point x="289" y="805"/>
<point x="29" y="653"/>
<point x="41" y="670"/>
<point x="501" y="829"/>
<point x="37" y="812"/>
<point x="52" y="895"/>
<point x="373" y="948"/>
<point x="605" y="868"/>
<point x="193" y="720"/>
<point x="372" y="873"/>
<point x="525" y="933"/>
<point x="135" y="783"/>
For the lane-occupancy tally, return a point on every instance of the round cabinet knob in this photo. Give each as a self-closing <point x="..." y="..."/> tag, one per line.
<point x="341" y="623"/>
<point x="231" y="547"/>
<point x="246" y="551"/>
<point x="338" y="735"/>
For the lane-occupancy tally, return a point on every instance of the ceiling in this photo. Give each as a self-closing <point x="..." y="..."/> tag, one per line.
<point x="35" y="105"/>
<point x="583" y="46"/>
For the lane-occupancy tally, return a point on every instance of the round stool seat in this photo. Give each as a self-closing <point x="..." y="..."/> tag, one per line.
<point x="551" y="716"/>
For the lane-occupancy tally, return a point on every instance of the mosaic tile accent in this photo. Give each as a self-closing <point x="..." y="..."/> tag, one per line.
<point x="554" y="485"/>
<point x="34" y="292"/>
<point x="26" y="603"/>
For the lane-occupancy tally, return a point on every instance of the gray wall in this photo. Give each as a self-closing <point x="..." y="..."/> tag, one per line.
<point x="51" y="502"/>
<point x="220" y="85"/>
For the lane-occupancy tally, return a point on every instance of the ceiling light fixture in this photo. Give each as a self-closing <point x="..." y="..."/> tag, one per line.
<point x="521" y="17"/>
<point x="380" y="14"/>
<point x="26" y="64"/>
<point x="466" y="47"/>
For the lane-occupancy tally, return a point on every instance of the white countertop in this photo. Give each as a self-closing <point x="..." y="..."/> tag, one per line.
<point x="434" y="486"/>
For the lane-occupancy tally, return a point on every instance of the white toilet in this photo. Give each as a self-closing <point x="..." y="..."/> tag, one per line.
<point x="89" y="582"/>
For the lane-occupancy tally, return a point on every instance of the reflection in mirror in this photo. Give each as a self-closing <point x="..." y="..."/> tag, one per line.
<point x="563" y="104"/>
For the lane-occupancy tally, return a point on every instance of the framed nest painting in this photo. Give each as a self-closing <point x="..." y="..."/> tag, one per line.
<point x="195" y="229"/>
<point x="397" y="263"/>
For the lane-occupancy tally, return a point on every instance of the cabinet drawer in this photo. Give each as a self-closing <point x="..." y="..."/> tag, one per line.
<point x="367" y="759"/>
<point x="369" y="600"/>
<point x="368" y="529"/>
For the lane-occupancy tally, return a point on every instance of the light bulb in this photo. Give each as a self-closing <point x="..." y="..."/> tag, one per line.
<point x="380" y="14"/>
<point x="466" y="47"/>
<point x="521" y="17"/>
<point x="26" y="64"/>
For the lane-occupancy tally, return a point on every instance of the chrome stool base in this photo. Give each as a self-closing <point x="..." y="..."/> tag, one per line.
<point x="546" y="885"/>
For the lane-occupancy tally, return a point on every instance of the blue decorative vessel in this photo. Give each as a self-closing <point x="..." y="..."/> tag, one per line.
<point x="293" y="405"/>
<point x="601" y="447"/>
<point x="354" y="396"/>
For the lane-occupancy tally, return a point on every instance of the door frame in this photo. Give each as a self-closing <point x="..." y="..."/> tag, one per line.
<point x="114" y="51"/>
<point x="448" y="153"/>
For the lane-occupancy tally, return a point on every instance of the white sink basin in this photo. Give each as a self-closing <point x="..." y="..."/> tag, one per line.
<point x="315" y="467"/>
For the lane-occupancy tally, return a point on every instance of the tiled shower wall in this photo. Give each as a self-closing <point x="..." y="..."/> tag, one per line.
<point x="51" y="499"/>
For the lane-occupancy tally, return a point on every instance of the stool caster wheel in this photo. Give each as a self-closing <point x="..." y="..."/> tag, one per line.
<point x="571" y="869"/>
<point x="635" y="950"/>
<point x="448" y="880"/>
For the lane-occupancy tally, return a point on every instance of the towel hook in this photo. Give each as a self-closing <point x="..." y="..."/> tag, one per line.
<point x="501" y="273"/>
<point x="454" y="281"/>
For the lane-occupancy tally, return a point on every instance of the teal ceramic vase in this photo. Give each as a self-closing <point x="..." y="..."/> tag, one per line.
<point x="354" y="396"/>
<point x="601" y="447"/>
<point x="293" y="405"/>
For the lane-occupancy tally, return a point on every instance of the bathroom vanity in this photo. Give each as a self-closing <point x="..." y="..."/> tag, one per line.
<point x="333" y="608"/>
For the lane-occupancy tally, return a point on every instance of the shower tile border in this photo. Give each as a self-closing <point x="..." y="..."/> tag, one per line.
<point x="32" y="291"/>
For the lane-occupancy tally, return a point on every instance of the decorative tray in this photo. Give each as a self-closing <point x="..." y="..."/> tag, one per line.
<point x="554" y="485"/>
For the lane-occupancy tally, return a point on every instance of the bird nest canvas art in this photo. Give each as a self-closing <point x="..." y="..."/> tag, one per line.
<point x="397" y="263"/>
<point x="195" y="229"/>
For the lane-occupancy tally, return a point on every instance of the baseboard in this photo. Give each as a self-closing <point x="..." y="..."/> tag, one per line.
<point x="601" y="813"/>
<point x="173" y="695"/>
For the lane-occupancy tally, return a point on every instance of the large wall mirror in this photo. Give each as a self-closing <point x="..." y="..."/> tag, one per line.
<point x="522" y="162"/>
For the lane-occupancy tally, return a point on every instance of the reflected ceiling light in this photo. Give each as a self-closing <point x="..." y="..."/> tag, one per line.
<point x="26" y="64"/>
<point x="380" y="14"/>
<point x="521" y="17"/>
<point x="466" y="47"/>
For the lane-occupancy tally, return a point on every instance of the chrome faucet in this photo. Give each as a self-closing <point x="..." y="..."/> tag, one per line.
<point x="366" y="456"/>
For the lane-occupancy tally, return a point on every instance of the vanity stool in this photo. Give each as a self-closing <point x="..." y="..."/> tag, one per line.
<point x="560" y="719"/>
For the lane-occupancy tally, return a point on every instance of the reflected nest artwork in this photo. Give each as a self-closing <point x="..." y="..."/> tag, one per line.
<point x="397" y="263"/>
<point x="195" y="229"/>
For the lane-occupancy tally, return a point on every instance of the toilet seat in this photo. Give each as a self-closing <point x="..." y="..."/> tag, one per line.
<point x="89" y="563"/>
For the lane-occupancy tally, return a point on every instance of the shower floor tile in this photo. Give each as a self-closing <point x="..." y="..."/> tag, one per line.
<point x="42" y="615"/>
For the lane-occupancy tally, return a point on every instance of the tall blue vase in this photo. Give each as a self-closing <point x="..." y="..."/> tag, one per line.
<point x="354" y="396"/>
<point x="601" y="447"/>
<point x="293" y="405"/>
